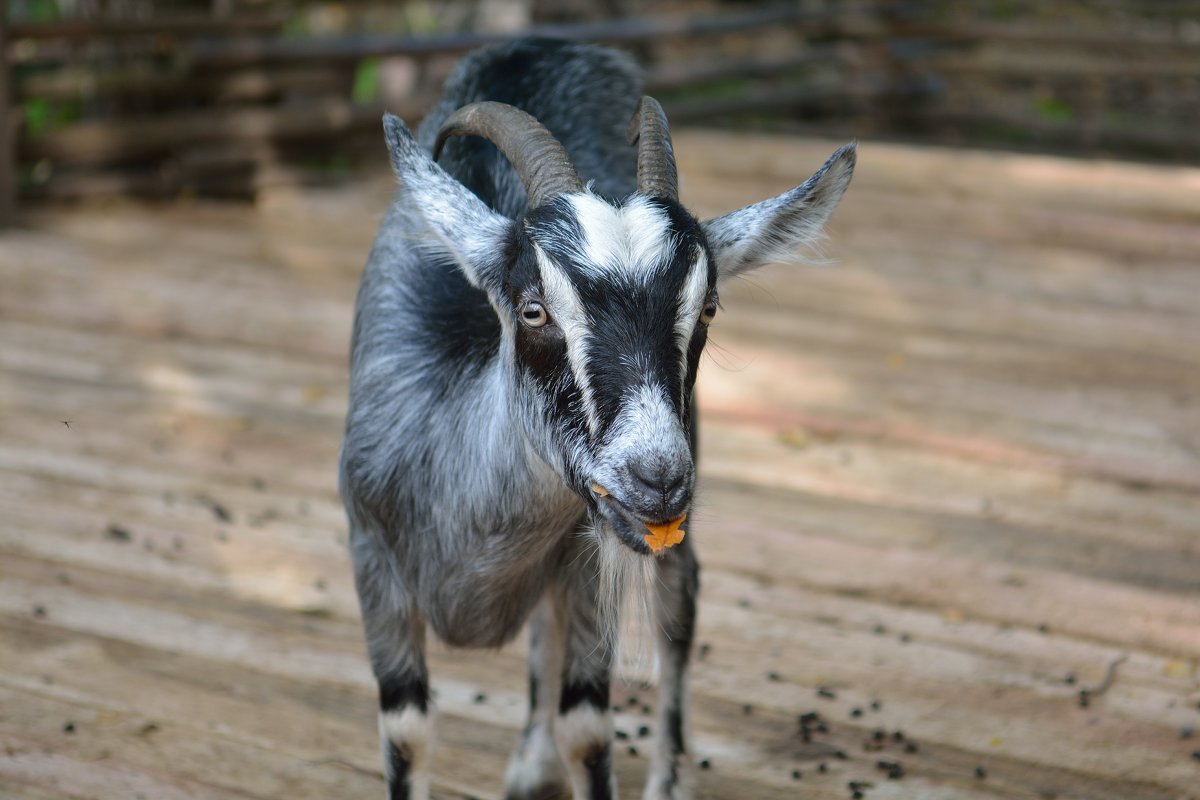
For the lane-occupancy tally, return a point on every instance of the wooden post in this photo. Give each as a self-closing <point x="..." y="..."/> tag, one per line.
<point x="8" y="150"/>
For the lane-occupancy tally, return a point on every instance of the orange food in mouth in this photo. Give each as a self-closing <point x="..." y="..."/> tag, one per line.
<point x="666" y="535"/>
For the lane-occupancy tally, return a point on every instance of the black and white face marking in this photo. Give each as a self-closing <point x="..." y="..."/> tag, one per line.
<point x="612" y="305"/>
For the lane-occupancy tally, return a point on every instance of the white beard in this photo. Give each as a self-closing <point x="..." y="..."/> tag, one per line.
<point x="626" y="604"/>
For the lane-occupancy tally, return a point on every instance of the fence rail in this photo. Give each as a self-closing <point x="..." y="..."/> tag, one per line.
<point x="227" y="103"/>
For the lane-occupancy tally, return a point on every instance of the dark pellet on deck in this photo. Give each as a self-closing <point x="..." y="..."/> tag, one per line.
<point x="705" y="649"/>
<point x="117" y="533"/>
<point x="705" y="763"/>
<point x="39" y="611"/>
<point x="643" y="731"/>
<point x="856" y="712"/>
<point x="828" y="694"/>
<point x="68" y="727"/>
<point x="911" y="747"/>
<point x="841" y="755"/>
<point x="981" y="772"/>
<point x="1186" y="732"/>
<point x="897" y="735"/>
<point x="876" y="705"/>
<point x="480" y="697"/>
<point x="747" y="709"/>
<point x="633" y="751"/>
<point x="774" y="676"/>
<point x="1043" y="628"/>
<point x="620" y="735"/>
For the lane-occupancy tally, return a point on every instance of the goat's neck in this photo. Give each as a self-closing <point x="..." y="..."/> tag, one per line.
<point x="510" y="488"/>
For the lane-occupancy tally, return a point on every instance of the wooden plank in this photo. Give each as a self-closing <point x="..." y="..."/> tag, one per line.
<point x="158" y="26"/>
<point x="618" y="31"/>
<point x="107" y="142"/>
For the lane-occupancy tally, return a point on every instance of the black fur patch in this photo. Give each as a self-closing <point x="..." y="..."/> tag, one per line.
<point x="598" y="764"/>
<point x="399" y="763"/>
<point x="577" y="694"/>
<point x="400" y="692"/>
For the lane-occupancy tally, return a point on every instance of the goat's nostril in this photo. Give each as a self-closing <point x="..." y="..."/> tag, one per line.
<point x="657" y="481"/>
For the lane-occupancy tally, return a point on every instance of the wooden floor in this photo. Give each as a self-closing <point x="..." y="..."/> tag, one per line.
<point x="951" y="482"/>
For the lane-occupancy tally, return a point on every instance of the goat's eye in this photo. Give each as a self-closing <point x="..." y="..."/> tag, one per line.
<point x="534" y="314"/>
<point x="709" y="313"/>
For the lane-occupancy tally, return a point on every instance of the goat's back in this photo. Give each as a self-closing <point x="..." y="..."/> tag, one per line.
<point x="584" y="94"/>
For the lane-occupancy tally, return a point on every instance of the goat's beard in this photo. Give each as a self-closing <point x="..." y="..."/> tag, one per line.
<point x="626" y="602"/>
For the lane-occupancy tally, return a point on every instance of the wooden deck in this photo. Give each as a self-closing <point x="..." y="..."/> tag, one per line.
<point x="951" y="480"/>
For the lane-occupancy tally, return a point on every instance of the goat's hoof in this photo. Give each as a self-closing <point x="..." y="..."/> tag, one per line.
<point x="544" y="791"/>
<point x="670" y="782"/>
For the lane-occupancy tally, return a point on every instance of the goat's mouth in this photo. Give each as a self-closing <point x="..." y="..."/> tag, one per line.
<point x="642" y="536"/>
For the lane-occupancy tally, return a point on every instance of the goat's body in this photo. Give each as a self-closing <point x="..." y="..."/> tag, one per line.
<point x="456" y="518"/>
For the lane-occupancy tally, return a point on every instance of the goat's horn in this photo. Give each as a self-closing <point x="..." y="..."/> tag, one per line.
<point x="540" y="160"/>
<point x="656" y="173"/>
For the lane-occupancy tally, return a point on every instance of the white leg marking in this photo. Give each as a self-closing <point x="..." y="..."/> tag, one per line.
<point x="415" y="735"/>
<point x="536" y="765"/>
<point x="580" y="733"/>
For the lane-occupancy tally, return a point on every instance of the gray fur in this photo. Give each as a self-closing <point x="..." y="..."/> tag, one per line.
<point x="468" y="500"/>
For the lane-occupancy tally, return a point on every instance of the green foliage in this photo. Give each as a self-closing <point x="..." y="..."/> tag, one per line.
<point x="35" y="11"/>
<point x="366" y="82"/>
<point x="41" y="115"/>
<point x="1053" y="109"/>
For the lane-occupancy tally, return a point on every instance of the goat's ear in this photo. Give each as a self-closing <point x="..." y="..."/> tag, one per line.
<point x="460" y="224"/>
<point x="773" y="230"/>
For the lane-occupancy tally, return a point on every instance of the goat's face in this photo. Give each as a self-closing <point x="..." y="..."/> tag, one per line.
<point x="604" y="309"/>
<point x="610" y="307"/>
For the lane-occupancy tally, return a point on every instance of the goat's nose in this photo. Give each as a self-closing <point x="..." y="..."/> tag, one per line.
<point x="663" y="486"/>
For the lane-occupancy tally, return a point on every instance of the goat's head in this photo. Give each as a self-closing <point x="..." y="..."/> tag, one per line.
<point x="604" y="308"/>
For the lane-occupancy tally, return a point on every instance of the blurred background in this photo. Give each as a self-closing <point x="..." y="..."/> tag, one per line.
<point x="949" y="499"/>
<point x="222" y="97"/>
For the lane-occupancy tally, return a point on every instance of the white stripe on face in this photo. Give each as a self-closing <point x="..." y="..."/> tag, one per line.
<point x="691" y="302"/>
<point x="632" y="241"/>
<point x="564" y="305"/>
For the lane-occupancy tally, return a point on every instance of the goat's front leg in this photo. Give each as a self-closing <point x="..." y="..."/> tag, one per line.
<point x="670" y="776"/>
<point x="584" y="727"/>
<point x="395" y="634"/>
<point x="536" y="769"/>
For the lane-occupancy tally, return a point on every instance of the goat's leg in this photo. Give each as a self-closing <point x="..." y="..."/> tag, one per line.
<point x="536" y="769"/>
<point x="584" y="727"/>
<point x="670" y="776"/>
<point x="395" y="634"/>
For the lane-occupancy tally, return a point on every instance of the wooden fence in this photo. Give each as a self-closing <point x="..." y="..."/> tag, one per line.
<point x="209" y="98"/>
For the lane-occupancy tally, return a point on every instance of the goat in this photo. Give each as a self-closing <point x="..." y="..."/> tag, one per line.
<point x="521" y="435"/>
